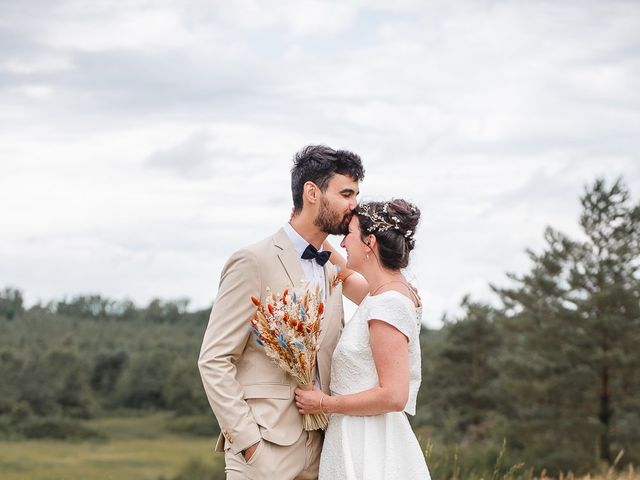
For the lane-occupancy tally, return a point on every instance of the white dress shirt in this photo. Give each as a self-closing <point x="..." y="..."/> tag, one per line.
<point x="313" y="272"/>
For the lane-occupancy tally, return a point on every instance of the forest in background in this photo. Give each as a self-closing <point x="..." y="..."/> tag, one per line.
<point x="546" y="375"/>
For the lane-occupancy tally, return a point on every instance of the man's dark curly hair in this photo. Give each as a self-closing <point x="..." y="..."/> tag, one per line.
<point x="317" y="164"/>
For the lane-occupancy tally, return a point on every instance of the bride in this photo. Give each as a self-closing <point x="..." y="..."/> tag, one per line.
<point x="375" y="369"/>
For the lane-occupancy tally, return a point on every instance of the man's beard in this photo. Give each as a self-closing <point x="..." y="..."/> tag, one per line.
<point x="331" y="222"/>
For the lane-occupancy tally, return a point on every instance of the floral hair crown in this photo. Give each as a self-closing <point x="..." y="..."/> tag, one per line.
<point x="381" y="224"/>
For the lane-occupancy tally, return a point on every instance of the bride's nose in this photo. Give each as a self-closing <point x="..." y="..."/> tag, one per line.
<point x="342" y="242"/>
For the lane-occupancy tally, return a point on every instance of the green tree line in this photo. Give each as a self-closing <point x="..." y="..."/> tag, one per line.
<point x="550" y="365"/>
<point x="89" y="355"/>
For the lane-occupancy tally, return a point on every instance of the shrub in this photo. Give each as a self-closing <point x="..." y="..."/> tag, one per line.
<point x="60" y="429"/>
<point x="195" y="425"/>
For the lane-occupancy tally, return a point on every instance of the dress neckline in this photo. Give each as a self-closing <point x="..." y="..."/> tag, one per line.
<point x="397" y="292"/>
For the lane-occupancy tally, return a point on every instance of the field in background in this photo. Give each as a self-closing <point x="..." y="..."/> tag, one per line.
<point x="145" y="448"/>
<point x="136" y="449"/>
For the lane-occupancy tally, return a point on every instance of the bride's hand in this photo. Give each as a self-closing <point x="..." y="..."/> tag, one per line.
<point x="308" y="401"/>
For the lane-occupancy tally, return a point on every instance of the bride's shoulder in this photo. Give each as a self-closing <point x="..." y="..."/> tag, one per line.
<point x="391" y="300"/>
<point x="395" y="296"/>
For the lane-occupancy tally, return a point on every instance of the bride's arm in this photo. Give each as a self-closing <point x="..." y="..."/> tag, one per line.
<point x="354" y="286"/>
<point x="390" y="350"/>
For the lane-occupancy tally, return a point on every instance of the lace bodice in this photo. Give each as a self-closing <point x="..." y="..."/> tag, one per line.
<point x="352" y="367"/>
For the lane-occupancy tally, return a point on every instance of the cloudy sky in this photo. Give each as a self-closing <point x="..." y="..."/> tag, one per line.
<point x="142" y="142"/>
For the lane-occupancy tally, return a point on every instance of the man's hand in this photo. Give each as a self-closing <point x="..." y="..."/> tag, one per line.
<point x="248" y="453"/>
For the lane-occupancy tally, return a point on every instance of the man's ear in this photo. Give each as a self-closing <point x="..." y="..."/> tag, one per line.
<point x="311" y="191"/>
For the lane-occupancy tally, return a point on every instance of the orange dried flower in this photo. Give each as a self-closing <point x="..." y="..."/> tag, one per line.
<point x="289" y="334"/>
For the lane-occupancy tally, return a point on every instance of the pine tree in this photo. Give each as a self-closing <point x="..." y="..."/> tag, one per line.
<point x="571" y="367"/>
<point x="11" y="303"/>
<point x="458" y="389"/>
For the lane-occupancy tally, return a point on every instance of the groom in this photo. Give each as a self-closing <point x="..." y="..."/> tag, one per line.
<point x="252" y="398"/>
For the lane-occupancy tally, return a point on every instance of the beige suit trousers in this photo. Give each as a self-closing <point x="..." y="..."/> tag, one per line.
<point x="270" y="461"/>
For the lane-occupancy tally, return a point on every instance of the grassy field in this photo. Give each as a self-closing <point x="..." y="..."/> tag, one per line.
<point x="143" y="448"/>
<point x="136" y="449"/>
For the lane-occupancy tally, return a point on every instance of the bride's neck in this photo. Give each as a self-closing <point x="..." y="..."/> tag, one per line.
<point x="378" y="277"/>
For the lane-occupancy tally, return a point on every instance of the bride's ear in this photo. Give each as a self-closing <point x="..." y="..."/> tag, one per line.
<point x="371" y="241"/>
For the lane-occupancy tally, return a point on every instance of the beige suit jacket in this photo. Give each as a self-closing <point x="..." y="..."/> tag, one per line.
<point x="250" y="396"/>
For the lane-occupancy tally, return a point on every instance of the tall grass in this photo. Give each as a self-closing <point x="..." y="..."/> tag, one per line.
<point x="470" y="463"/>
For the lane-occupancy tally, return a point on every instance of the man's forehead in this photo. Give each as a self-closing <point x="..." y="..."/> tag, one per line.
<point x="344" y="182"/>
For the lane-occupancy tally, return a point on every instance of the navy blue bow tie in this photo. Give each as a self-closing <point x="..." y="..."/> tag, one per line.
<point x="312" y="252"/>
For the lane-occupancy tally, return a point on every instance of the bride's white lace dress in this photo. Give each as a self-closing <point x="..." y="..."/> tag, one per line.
<point x="381" y="446"/>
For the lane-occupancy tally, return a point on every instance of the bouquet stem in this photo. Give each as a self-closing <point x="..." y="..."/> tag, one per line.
<point x="313" y="421"/>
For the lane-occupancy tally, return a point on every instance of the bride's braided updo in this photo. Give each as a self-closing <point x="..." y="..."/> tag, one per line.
<point x="394" y="225"/>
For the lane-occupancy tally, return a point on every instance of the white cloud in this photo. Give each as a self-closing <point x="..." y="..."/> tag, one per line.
<point x="45" y="63"/>
<point x="142" y="142"/>
<point x="36" y="91"/>
<point x="188" y="158"/>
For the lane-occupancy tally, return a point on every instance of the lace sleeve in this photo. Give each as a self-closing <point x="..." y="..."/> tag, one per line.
<point x="396" y="312"/>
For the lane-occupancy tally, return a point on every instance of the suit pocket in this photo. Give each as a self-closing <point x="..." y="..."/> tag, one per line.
<point x="257" y="368"/>
<point x="262" y="390"/>
<point x="261" y="446"/>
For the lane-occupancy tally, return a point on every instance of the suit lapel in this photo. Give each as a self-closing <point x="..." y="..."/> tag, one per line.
<point x="290" y="261"/>
<point x="288" y="258"/>
<point x="328" y="304"/>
